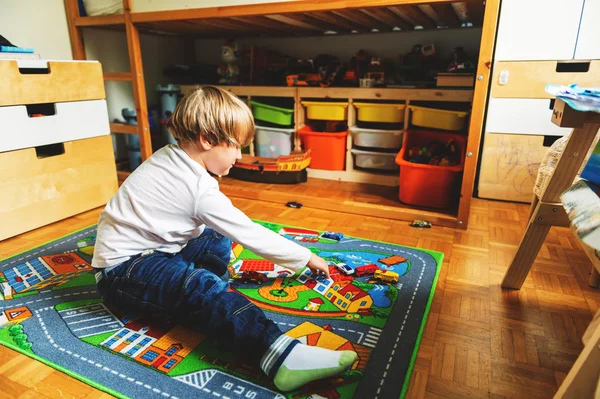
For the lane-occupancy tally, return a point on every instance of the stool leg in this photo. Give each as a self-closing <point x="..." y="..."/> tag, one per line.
<point x="594" y="280"/>
<point x="528" y="249"/>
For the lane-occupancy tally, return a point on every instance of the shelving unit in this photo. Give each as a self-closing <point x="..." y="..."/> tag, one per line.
<point x="313" y="18"/>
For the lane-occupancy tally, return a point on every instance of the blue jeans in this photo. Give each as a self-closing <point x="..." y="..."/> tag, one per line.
<point x="186" y="288"/>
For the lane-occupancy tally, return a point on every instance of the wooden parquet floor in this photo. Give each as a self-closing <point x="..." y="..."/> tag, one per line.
<point x="480" y="341"/>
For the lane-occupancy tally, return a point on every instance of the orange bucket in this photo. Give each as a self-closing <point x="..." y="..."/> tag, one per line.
<point x="429" y="185"/>
<point x="328" y="148"/>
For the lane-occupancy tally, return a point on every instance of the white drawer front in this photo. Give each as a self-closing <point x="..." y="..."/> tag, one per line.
<point x="521" y="116"/>
<point x="589" y="32"/>
<point x="538" y="30"/>
<point x="71" y="121"/>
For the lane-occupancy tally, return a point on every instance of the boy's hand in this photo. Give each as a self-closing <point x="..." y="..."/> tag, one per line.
<point x="318" y="266"/>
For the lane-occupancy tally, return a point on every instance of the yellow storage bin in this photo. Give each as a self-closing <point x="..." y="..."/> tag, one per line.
<point x="380" y="112"/>
<point x="325" y="111"/>
<point x="438" y="118"/>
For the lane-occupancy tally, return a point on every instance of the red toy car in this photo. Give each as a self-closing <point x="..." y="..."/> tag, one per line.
<point x="365" y="269"/>
<point x="257" y="277"/>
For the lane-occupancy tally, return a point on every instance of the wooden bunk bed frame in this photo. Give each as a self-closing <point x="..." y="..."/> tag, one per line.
<point x="310" y="18"/>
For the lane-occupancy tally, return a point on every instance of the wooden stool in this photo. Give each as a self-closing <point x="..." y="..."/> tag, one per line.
<point x="547" y="211"/>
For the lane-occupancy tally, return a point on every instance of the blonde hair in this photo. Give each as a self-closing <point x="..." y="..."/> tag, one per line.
<point x="214" y="114"/>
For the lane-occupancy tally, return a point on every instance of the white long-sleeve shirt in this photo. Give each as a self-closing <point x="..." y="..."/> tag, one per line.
<point x="167" y="201"/>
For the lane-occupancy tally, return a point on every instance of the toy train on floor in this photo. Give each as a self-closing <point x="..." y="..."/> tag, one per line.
<point x="287" y="169"/>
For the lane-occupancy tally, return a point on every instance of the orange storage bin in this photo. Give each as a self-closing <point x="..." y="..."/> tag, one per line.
<point x="328" y="149"/>
<point x="429" y="185"/>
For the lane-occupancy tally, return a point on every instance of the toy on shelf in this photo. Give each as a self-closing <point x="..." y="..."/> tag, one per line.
<point x="229" y="69"/>
<point x="419" y="66"/>
<point x="435" y="153"/>
<point x="287" y="169"/>
<point x="459" y="61"/>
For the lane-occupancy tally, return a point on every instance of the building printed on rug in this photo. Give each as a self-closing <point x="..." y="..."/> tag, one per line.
<point x="151" y="346"/>
<point x="42" y="272"/>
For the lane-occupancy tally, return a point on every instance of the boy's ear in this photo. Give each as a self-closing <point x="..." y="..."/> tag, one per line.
<point x="205" y="144"/>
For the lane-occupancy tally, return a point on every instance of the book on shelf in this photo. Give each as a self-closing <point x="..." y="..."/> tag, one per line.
<point x="582" y="204"/>
<point x="15" y="49"/>
<point x="19" y="56"/>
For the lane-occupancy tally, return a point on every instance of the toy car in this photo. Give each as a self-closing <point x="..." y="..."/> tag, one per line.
<point x="332" y="235"/>
<point x="344" y="268"/>
<point x="257" y="277"/>
<point x="293" y="204"/>
<point x="386" y="276"/>
<point x="421" y="223"/>
<point x="365" y="269"/>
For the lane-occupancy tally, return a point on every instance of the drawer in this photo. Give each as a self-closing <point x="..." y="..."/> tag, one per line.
<point x="60" y="122"/>
<point x="528" y="79"/>
<point x="522" y="116"/>
<point x="538" y="29"/>
<point x="589" y="31"/>
<point x="39" y="81"/>
<point x="509" y="165"/>
<point x="40" y="188"/>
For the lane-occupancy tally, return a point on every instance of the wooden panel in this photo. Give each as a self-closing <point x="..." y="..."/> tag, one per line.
<point x="528" y="79"/>
<point x="589" y="30"/>
<point x="38" y="191"/>
<point x="509" y="166"/>
<point x="482" y="84"/>
<point x="527" y="30"/>
<point x="65" y="81"/>
<point x="245" y="91"/>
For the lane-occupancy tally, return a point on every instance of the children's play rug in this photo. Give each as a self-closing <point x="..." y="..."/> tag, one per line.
<point x="375" y="304"/>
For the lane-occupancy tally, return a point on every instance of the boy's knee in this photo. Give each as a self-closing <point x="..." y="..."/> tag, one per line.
<point x="222" y="247"/>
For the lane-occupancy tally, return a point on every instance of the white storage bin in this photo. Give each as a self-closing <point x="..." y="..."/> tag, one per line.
<point x="375" y="138"/>
<point x="73" y="120"/>
<point x="522" y="116"/>
<point x="272" y="142"/>
<point x="385" y="161"/>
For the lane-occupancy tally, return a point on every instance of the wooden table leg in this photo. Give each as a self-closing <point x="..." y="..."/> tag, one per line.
<point x="526" y="253"/>
<point x="594" y="280"/>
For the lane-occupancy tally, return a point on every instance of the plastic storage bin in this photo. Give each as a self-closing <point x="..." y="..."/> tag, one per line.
<point x="270" y="113"/>
<point x="320" y="110"/>
<point x="384" y="161"/>
<point x="429" y="185"/>
<point x="272" y="142"/>
<point x="375" y="138"/>
<point x="380" y="112"/>
<point x="328" y="149"/>
<point x="438" y="118"/>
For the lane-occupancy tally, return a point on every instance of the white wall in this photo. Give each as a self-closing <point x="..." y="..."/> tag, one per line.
<point x="39" y="24"/>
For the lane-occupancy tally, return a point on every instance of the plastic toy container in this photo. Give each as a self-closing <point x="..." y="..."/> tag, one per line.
<point x="328" y="149"/>
<point x="380" y="112"/>
<point x="429" y="185"/>
<point x="272" y="142"/>
<point x="328" y="111"/>
<point x="270" y="113"/>
<point x="438" y="118"/>
<point x="375" y="138"/>
<point x="384" y="161"/>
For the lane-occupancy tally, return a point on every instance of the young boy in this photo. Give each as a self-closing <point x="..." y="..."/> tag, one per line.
<point x="163" y="243"/>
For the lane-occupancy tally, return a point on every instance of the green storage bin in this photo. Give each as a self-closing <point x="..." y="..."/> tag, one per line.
<point x="272" y="114"/>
